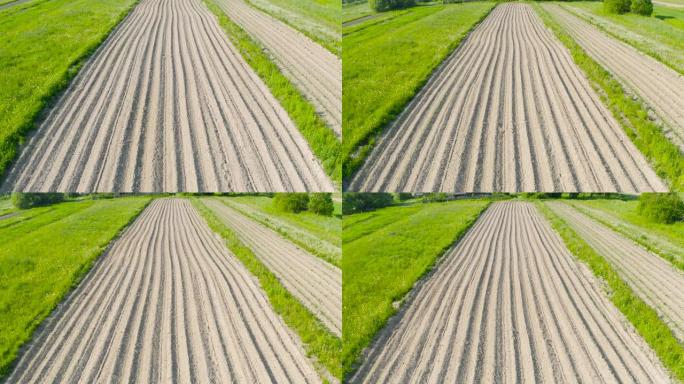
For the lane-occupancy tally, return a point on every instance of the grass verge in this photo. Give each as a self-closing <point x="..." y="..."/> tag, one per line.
<point x="388" y="59"/>
<point x="631" y="113"/>
<point x="644" y="318"/>
<point x="318" y="341"/>
<point x="43" y="46"/>
<point x="43" y="262"/>
<point x="383" y="265"/>
<point x="320" y="137"/>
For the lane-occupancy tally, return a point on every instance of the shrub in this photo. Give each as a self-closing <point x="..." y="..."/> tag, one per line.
<point x="386" y="5"/>
<point x="321" y="204"/>
<point x="359" y="202"/>
<point x="616" y="6"/>
<point x="291" y="202"/>
<point x="642" y="7"/>
<point x="28" y="200"/>
<point x="402" y="196"/>
<point x="663" y="208"/>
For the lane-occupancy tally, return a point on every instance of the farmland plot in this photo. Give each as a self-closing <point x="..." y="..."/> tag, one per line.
<point x="167" y="303"/>
<point x="314" y="282"/>
<point x="661" y="87"/>
<point x="509" y="303"/>
<point x="315" y="70"/>
<point x="507" y="111"/>
<point x="654" y="280"/>
<point x="166" y="104"/>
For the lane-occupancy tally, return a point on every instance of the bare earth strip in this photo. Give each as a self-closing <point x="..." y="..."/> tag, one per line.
<point x="661" y="87"/>
<point x="304" y="236"/>
<point x="314" y="282"/>
<point x="508" y="111"/>
<point x="509" y="303"/>
<point x="167" y="303"/>
<point x="313" y="69"/>
<point x="656" y="281"/>
<point x="167" y="104"/>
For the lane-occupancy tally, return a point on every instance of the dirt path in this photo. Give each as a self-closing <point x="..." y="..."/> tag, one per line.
<point x="313" y="69"/>
<point x="665" y="4"/>
<point x="317" y="284"/>
<point x="13" y="3"/>
<point x="509" y="303"/>
<point x="167" y="303"/>
<point x="655" y="280"/>
<point x="661" y="87"/>
<point x="167" y="104"/>
<point x="508" y="111"/>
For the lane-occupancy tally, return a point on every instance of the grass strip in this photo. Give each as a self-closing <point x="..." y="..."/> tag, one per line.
<point x="39" y="270"/>
<point x="320" y="137"/>
<point x="631" y="113"/>
<point x="388" y="60"/>
<point x="382" y="267"/>
<point x="40" y="56"/>
<point x="284" y="233"/>
<point x="637" y="239"/>
<point x="318" y="341"/>
<point x="644" y="318"/>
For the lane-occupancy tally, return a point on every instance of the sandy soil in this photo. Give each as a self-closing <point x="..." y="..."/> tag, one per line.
<point x="509" y="303"/>
<point x="167" y="104"/>
<point x="313" y="69"/>
<point x="507" y="111"/>
<point x="314" y="282"/>
<point x="167" y="303"/>
<point x="661" y="87"/>
<point x="652" y="278"/>
<point x="302" y="235"/>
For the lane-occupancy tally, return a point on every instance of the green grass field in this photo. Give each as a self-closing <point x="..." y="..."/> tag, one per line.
<point x="660" y="36"/>
<point x="631" y="113"/>
<point x="45" y="252"/>
<point x="385" y="253"/>
<point x="319" y="342"/>
<point x="387" y="59"/>
<point x="355" y="11"/>
<point x="318" y="19"/>
<point x="321" y="139"/>
<point x="42" y="47"/>
<point x="644" y="318"/>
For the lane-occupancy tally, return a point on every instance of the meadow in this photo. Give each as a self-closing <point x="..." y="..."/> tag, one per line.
<point x="43" y="45"/>
<point x="385" y="253"/>
<point x="385" y="65"/>
<point x="45" y="252"/>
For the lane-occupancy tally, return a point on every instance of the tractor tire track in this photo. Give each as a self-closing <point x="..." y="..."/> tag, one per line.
<point x="166" y="303"/>
<point x="167" y="104"/>
<point x="509" y="303"/>
<point x="508" y="111"/>
<point x="314" y="282"/>
<point x="654" y="280"/>
<point x="313" y="69"/>
<point x="660" y="86"/>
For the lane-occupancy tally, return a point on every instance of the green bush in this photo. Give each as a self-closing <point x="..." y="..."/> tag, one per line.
<point x="665" y="208"/>
<point x="386" y="5"/>
<point x="291" y="202"/>
<point x="28" y="200"/>
<point x="617" y="6"/>
<point x="402" y="196"/>
<point x="360" y="202"/>
<point x="642" y="7"/>
<point x="321" y="204"/>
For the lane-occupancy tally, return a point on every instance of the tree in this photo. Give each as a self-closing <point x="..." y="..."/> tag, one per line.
<point x="321" y="204"/>
<point x="291" y="202"/>
<point x="642" y="7"/>
<point x="28" y="200"/>
<point x="386" y="5"/>
<point x="617" y="6"/>
<point x="360" y="202"/>
<point x="665" y="208"/>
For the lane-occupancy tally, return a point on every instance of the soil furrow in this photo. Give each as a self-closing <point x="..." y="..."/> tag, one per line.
<point x="510" y="85"/>
<point x="656" y="281"/>
<point x="314" y="282"/>
<point x="167" y="104"/>
<point x="313" y="69"/>
<point x="168" y="302"/>
<point x="509" y="303"/>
